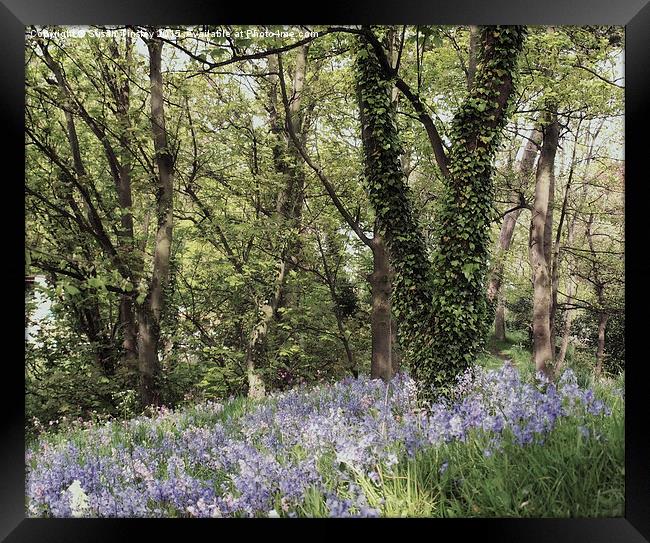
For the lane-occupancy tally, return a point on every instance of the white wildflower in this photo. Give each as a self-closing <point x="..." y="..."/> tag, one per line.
<point x="78" y="499"/>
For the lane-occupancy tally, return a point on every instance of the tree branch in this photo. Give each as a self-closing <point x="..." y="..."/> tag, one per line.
<point x="319" y="172"/>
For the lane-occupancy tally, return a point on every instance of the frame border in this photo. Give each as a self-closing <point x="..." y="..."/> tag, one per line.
<point x="633" y="14"/>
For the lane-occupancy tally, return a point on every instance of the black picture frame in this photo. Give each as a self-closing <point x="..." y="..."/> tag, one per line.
<point x="15" y="15"/>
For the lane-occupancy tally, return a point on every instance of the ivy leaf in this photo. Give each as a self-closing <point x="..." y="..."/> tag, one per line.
<point x="71" y="289"/>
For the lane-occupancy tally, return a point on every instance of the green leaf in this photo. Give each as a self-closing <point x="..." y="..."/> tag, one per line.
<point x="71" y="289"/>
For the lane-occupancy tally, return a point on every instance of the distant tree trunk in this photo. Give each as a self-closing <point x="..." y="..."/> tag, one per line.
<point x="600" y="353"/>
<point x="256" y="387"/>
<point x="129" y="328"/>
<point x="150" y="311"/>
<point x="555" y="260"/>
<point x="566" y="334"/>
<point x="542" y="349"/>
<point x="148" y="364"/>
<point x="525" y="169"/>
<point x="571" y="287"/>
<point x="90" y="323"/>
<point x="568" y="313"/>
<point x="352" y="364"/>
<point x="289" y="208"/>
<point x="330" y="278"/>
<point x="380" y="281"/>
<point x="500" y="320"/>
<point x="126" y="243"/>
<point x="599" y="288"/>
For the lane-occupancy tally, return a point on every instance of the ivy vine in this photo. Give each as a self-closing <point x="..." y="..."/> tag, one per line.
<point x="440" y="303"/>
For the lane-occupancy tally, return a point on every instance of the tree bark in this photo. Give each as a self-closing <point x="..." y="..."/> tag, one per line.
<point x="599" y="288"/>
<point x="126" y="242"/>
<point x="474" y="35"/>
<point x="380" y="319"/>
<point x="566" y="333"/>
<point x="150" y="310"/>
<point x="568" y="313"/>
<point x="436" y="341"/>
<point x="571" y="287"/>
<point x="148" y="363"/>
<point x="600" y="353"/>
<point x="390" y="196"/>
<point x="543" y="353"/>
<point x="500" y="320"/>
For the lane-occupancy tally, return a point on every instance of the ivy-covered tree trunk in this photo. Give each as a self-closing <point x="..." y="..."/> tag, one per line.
<point x="390" y="197"/>
<point x="465" y="212"/>
<point x="150" y="310"/>
<point x="442" y="322"/>
<point x="543" y="352"/>
<point x="289" y="204"/>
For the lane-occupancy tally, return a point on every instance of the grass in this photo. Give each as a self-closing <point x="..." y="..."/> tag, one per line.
<point x="511" y="349"/>
<point x="569" y="475"/>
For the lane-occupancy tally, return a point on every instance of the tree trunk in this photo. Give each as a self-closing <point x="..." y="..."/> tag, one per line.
<point x="330" y="278"/>
<point x="526" y="164"/>
<point x="287" y="161"/>
<point x="568" y="313"/>
<point x="254" y="349"/>
<point x="352" y="364"/>
<point x="463" y="219"/>
<point x="571" y="287"/>
<point x="150" y="311"/>
<point x="380" y="320"/>
<point x="148" y="364"/>
<point x="566" y="336"/>
<point x="599" y="287"/>
<point x="385" y="182"/>
<point x="548" y="256"/>
<point x="437" y="343"/>
<point x="129" y="329"/>
<point x="500" y="320"/>
<point x="474" y="35"/>
<point x="542" y="349"/>
<point x="525" y="169"/>
<point x="600" y="353"/>
<point x="126" y="241"/>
